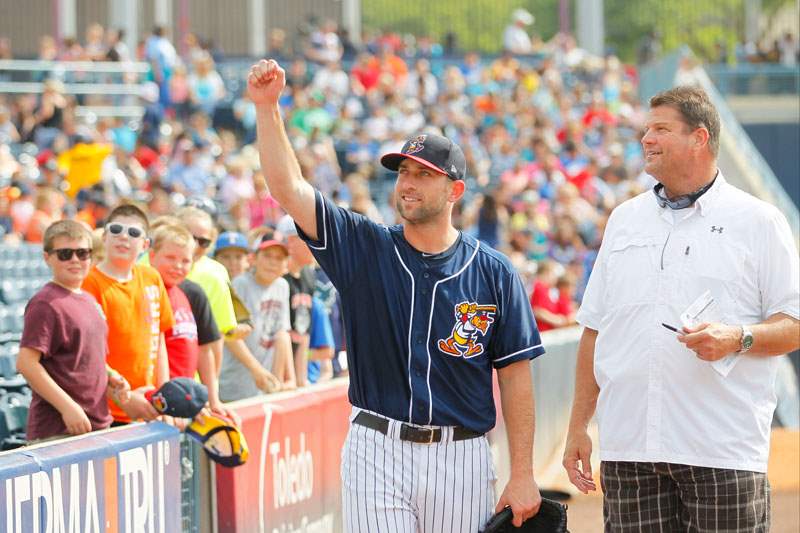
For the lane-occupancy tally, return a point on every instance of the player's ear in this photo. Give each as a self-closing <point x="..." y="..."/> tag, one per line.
<point x="457" y="189"/>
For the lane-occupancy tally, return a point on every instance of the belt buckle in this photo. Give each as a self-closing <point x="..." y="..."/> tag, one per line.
<point x="419" y="435"/>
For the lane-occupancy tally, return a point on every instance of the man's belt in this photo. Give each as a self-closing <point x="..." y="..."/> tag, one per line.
<point x="412" y="433"/>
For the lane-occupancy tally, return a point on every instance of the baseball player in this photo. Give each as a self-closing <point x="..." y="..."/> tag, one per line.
<point x="429" y="312"/>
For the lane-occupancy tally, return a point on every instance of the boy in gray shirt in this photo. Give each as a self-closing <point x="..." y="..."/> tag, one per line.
<point x="266" y="295"/>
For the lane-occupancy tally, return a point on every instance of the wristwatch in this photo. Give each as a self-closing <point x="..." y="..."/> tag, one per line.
<point x="746" y="341"/>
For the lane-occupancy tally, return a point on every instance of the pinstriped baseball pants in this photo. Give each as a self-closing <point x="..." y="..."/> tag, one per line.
<point x="390" y="485"/>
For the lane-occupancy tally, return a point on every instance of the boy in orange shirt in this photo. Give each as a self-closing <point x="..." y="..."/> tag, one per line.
<point x="137" y="310"/>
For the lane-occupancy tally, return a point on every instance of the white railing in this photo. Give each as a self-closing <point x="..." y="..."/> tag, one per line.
<point x="121" y="81"/>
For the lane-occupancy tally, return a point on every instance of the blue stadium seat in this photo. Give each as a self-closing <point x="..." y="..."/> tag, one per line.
<point x="20" y="268"/>
<point x="30" y="287"/>
<point x="33" y="251"/>
<point x="7" y="268"/>
<point x="8" y="364"/>
<point x="13" y="418"/>
<point x="13" y="384"/>
<point x="12" y="291"/>
<point x="42" y="270"/>
<point x="12" y="318"/>
<point x="15" y="441"/>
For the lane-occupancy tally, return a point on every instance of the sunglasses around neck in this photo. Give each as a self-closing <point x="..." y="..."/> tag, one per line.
<point x="65" y="254"/>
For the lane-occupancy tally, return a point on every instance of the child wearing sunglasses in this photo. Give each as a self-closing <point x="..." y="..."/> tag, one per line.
<point x="137" y="309"/>
<point x="63" y="348"/>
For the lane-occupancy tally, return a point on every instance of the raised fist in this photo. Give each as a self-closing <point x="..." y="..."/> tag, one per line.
<point x="265" y="82"/>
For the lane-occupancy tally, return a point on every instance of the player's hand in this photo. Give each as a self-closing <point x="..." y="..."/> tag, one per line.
<point x="265" y="82"/>
<point x="75" y="419"/>
<point x="137" y="407"/>
<point x="712" y="341"/>
<point x="266" y="380"/>
<point x="522" y="495"/>
<point x="577" y="460"/>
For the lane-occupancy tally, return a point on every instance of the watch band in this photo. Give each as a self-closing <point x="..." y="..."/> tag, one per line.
<point x="746" y="340"/>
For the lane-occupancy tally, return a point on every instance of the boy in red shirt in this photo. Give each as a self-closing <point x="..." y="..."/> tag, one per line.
<point x="171" y="254"/>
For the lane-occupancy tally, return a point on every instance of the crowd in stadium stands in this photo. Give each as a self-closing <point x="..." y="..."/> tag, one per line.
<point x="551" y="140"/>
<point x="784" y="50"/>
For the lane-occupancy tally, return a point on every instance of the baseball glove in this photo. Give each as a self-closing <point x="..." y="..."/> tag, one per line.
<point x="551" y="518"/>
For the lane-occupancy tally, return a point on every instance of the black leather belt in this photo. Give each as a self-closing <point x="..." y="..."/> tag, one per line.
<point x="411" y="433"/>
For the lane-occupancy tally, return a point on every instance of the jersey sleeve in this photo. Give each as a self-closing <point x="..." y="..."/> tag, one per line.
<point x="342" y="240"/>
<point x="516" y="336"/>
<point x="207" y="330"/>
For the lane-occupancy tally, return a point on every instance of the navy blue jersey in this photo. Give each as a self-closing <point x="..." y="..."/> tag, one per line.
<point x="423" y="332"/>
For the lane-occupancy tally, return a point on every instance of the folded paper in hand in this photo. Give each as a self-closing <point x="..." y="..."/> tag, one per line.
<point x="705" y="309"/>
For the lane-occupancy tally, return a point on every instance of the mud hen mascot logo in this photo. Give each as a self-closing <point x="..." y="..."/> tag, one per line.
<point x="472" y="320"/>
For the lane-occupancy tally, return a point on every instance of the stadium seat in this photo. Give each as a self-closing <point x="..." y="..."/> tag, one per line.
<point x="31" y="287"/>
<point x="14" y="384"/>
<point x="16" y="315"/>
<point x="8" y="365"/>
<point x="11" y="322"/>
<point x="33" y="252"/>
<point x="13" y="419"/>
<point x="12" y="291"/>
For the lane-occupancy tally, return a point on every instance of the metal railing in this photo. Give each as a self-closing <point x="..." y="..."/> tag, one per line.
<point x="755" y="79"/>
<point x="120" y="83"/>
<point x="736" y="144"/>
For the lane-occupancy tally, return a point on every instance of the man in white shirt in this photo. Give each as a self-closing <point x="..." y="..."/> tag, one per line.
<point x="684" y="416"/>
<point x="515" y="38"/>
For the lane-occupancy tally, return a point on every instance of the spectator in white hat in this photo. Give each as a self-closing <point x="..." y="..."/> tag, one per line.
<point x="515" y="37"/>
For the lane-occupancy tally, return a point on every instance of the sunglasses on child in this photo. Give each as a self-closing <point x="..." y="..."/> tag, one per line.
<point x="65" y="254"/>
<point x="115" y="228"/>
<point x="202" y="242"/>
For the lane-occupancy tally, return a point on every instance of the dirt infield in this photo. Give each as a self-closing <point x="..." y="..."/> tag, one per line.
<point x="586" y="512"/>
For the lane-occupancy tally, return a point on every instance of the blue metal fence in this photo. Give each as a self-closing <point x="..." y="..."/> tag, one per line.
<point x="755" y="78"/>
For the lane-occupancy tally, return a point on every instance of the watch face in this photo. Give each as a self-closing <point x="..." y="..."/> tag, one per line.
<point x="747" y="340"/>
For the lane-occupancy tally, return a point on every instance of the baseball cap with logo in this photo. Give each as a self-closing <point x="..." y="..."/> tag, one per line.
<point x="268" y="241"/>
<point x="181" y="397"/>
<point x="221" y="439"/>
<point x="433" y="151"/>
<point x="231" y="239"/>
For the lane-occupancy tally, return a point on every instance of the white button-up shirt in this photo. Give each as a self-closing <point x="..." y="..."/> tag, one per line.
<point x="658" y="401"/>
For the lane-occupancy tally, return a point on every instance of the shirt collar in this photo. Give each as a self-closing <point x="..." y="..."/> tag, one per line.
<point x="706" y="202"/>
<point x="703" y="205"/>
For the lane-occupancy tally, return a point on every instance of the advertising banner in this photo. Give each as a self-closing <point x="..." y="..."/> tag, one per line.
<point x="125" y="480"/>
<point x="291" y="481"/>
